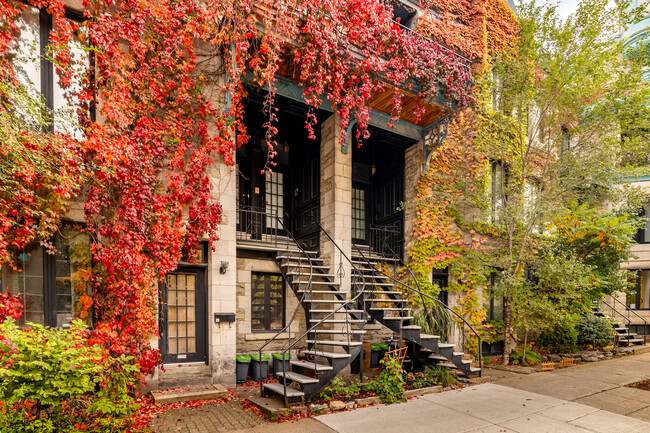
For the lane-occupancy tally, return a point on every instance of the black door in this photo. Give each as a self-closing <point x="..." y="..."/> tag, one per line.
<point x="183" y="316"/>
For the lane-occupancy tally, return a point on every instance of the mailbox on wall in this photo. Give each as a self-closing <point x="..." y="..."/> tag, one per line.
<point x="224" y="317"/>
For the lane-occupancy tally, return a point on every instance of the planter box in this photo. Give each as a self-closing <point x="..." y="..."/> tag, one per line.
<point x="422" y="391"/>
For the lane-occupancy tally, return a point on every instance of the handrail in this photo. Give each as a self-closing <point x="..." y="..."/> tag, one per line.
<point x="422" y="294"/>
<point x="629" y="310"/>
<point x="321" y="321"/>
<point x="627" y="325"/>
<point x="300" y="303"/>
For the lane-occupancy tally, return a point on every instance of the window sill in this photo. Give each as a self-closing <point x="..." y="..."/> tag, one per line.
<point x="263" y="336"/>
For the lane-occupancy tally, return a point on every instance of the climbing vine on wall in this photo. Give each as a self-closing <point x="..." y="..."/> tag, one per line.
<point x="167" y="84"/>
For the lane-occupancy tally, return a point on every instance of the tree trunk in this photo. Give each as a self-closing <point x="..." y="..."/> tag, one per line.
<point x="523" y="355"/>
<point x="509" y="337"/>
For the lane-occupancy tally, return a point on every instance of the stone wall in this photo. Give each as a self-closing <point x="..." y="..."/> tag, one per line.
<point x="248" y="341"/>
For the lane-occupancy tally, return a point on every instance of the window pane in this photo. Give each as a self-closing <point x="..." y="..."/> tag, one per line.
<point x="25" y="54"/>
<point x="27" y="280"/>
<point x="65" y="114"/>
<point x="72" y="261"/>
<point x="267" y="294"/>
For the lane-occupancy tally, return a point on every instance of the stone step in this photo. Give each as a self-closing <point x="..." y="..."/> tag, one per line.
<point x="331" y="355"/>
<point x="322" y="292"/>
<point x="341" y="311"/>
<point x="193" y="393"/>
<point x="339" y="331"/>
<point x="278" y="388"/>
<point x="312" y="366"/>
<point x="303" y="274"/>
<point x="326" y="301"/>
<point x="316" y="283"/>
<point x="397" y="318"/>
<point x="350" y="343"/>
<point x="296" y="377"/>
<point x="305" y="266"/>
<point x="389" y="309"/>
<point x="386" y="300"/>
<point x="339" y="320"/>
<point x="429" y="337"/>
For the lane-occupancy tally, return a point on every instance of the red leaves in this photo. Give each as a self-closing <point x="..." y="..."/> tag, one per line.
<point x="11" y="305"/>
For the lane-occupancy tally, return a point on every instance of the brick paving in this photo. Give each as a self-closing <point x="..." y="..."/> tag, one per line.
<point x="220" y="417"/>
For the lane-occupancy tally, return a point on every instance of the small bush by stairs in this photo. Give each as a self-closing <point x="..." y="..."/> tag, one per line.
<point x="622" y="332"/>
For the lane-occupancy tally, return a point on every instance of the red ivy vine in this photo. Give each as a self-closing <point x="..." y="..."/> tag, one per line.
<point x="168" y="80"/>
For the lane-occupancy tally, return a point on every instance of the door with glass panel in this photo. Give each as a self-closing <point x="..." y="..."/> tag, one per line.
<point x="183" y="317"/>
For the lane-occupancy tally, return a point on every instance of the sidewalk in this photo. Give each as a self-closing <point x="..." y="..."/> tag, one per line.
<point x="585" y="398"/>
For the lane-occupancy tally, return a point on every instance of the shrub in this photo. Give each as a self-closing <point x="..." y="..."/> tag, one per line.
<point x="337" y="389"/>
<point x="54" y="380"/>
<point x="561" y="338"/>
<point x="532" y="358"/>
<point x="594" y="331"/>
<point x="441" y="375"/>
<point x="389" y="383"/>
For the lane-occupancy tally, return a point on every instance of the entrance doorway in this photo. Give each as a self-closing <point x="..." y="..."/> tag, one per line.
<point x="183" y="316"/>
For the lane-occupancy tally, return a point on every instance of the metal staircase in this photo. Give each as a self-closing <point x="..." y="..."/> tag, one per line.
<point x="334" y="336"/>
<point x="335" y="321"/>
<point x="622" y="334"/>
<point x="386" y="300"/>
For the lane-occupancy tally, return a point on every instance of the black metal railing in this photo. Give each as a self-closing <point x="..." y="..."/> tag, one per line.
<point x="628" y="320"/>
<point x="261" y="225"/>
<point x="304" y="256"/>
<point x="386" y="240"/>
<point x="463" y="322"/>
<point x="358" y="290"/>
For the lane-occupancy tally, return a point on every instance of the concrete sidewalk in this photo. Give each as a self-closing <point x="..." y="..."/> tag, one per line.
<point x="484" y="408"/>
<point x="598" y="384"/>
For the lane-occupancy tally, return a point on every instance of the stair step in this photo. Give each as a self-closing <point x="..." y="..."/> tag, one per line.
<point x="474" y="370"/>
<point x="339" y="331"/>
<point x="305" y="266"/>
<point x="303" y="274"/>
<point x="397" y="318"/>
<point x="447" y="364"/>
<point x="386" y="292"/>
<point x="380" y="284"/>
<point x="385" y="300"/>
<point x="278" y="388"/>
<point x="326" y="301"/>
<point x="339" y="320"/>
<point x="351" y="343"/>
<point x="312" y="366"/>
<point x="389" y="309"/>
<point x="437" y="357"/>
<point x="429" y="337"/>
<point x="412" y="327"/>
<point x="332" y="355"/>
<point x="296" y="377"/>
<point x="316" y="283"/>
<point x="340" y="311"/>
<point x="445" y="345"/>
<point x="322" y="292"/>
<point x="457" y="353"/>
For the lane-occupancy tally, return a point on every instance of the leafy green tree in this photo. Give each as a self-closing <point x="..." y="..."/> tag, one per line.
<point x="563" y="97"/>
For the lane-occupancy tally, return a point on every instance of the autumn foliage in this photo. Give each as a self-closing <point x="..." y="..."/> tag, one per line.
<point x="166" y="84"/>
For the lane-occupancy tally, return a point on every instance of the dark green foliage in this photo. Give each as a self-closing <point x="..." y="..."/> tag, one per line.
<point x="54" y="380"/>
<point x="594" y="331"/>
<point x="532" y="358"/>
<point x="389" y="384"/>
<point x="441" y="375"/>
<point x="337" y="389"/>
<point x="561" y="338"/>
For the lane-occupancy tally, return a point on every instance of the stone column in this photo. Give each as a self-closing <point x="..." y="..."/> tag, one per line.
<point x="222" y="288"/>
<point x="412" y="172"/>
<point x="336" y="200"/>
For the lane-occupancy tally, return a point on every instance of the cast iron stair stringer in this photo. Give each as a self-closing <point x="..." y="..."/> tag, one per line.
<point x="326" y="307"/>
<point x="396" y="316"/>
